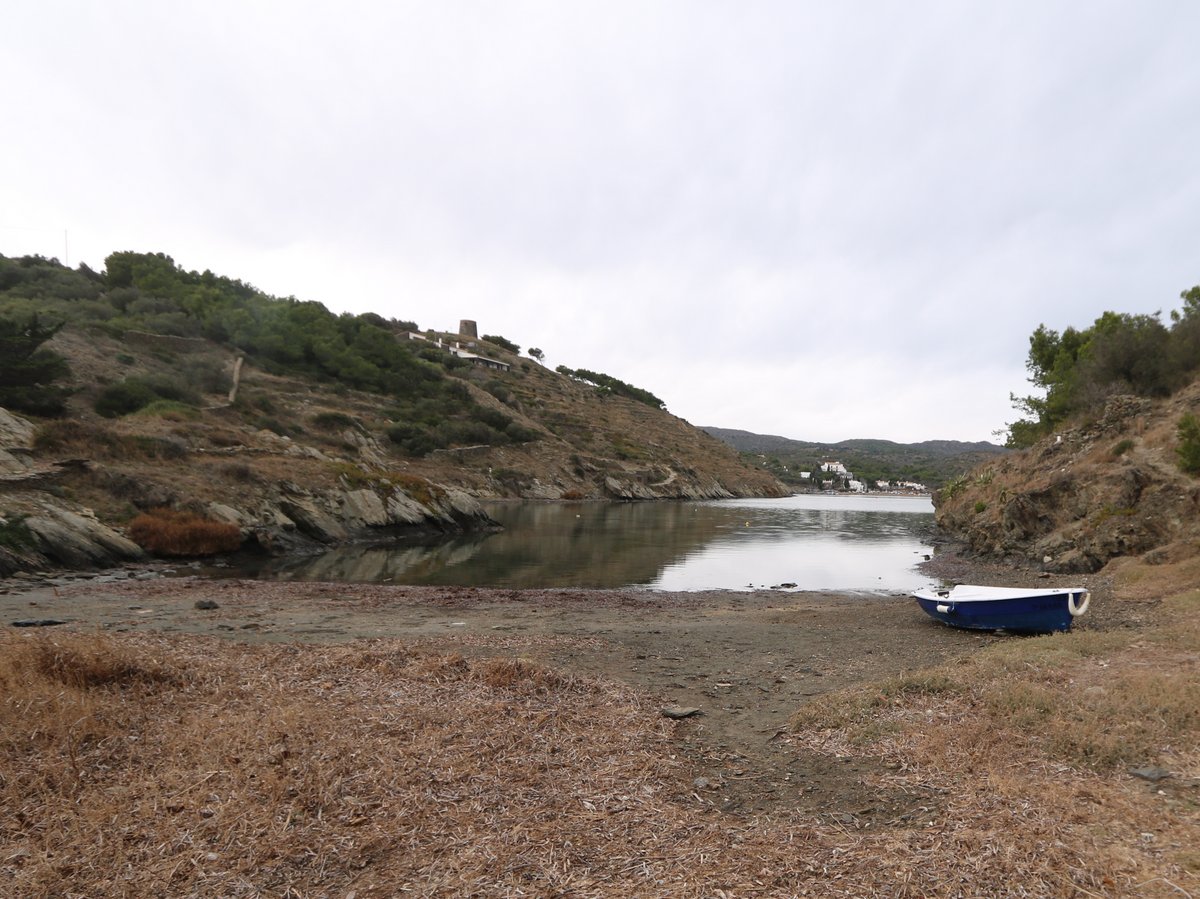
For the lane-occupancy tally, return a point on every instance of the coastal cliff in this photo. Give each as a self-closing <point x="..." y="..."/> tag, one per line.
<point x="1093" y="492"/>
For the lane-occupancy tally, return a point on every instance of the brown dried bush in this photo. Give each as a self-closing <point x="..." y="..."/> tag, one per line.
<point x="75" y="437"/>
<point x="83" y="663"/>
<point x="168" y="532"/>
<point x="239" y="471"/>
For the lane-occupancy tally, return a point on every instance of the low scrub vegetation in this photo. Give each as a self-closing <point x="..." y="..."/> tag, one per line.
<point x="134" y="394"/>
<point x="610" y="385"/>
<point x="1121" y="447"/>
<point x="83" y="439"/>
<point x="171" y="410"/>
<point x="335" y="421"/>
<point x="168" y="532"/>
<point x="502" y="342"/>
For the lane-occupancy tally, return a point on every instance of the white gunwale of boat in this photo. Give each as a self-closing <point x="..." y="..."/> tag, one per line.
<point x="972" y="593"/>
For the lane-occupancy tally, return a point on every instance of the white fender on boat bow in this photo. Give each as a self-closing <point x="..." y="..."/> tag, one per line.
<point x="1077" y="610"/>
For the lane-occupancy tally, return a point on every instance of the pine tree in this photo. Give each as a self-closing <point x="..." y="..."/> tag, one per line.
<point x="27" y="372"/>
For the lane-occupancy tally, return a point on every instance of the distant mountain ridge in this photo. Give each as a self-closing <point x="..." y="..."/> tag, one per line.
<point x="931" y="462"/>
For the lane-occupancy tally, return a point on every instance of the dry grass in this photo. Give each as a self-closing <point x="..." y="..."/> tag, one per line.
<point x="1028" y="747"/>
<point x="155" y="767"/>
<point x="167" y="532"/>
<point x="172" y="766"/>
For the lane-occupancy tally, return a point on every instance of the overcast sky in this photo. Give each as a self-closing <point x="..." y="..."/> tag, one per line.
<point x="821" y="220"/>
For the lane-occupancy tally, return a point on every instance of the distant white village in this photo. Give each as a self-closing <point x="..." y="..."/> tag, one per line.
<point x="844" y="479"/>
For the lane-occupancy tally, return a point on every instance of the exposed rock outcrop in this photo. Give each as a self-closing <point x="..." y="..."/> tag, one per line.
<point x="76" y="539"/>
<point x="56" y="535"/>
<point x="40" y="528"/>
<point x="297" y="518"/>
<point x="618" y="487"/>
<point x="16" y="438"/>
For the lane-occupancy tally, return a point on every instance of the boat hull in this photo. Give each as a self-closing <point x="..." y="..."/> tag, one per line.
<point x="992" y="609"/>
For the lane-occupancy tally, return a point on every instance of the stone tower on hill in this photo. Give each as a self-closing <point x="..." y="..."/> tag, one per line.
<point x="467" y="328"/>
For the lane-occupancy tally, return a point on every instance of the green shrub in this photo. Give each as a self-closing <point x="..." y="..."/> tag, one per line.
<point x="1122" y="447"/>
<point x="467" y="433"/>
<point x="954" y="487"/>
<point x="133" y="394"/>
<point x="419" y="446"/>
<point x="518" y="433"/>
<point x="493" y="418"/>
<point x="511" y="479"/>
<point x="1079" y="370"/>
<point x="399" y="431"/>
<point x="980" y="506"/>
<point x="14" y="534"/>
<point x="498" y="390"/>
<point x="27" y="370"/>
<point x="411" y="439"/>
<point x="123" y="398"/>
<point x="1189" y="443"/>
<point x="207" y="375"/>
<point x="607" y="384"/>
<point x="501" y="342"/>
<point x="172" y="410"/>
<point x="335" y="421"/>
<point x="170" y="389"/>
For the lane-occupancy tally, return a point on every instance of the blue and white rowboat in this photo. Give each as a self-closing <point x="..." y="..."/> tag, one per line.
<point x="1005" y="608"/>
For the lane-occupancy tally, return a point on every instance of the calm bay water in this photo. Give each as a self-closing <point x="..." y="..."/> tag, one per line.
<point x="848" y="543"/>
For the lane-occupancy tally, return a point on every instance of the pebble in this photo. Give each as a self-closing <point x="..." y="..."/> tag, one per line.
<point x="680" y="711"/>
<point x="1152" y="774"/>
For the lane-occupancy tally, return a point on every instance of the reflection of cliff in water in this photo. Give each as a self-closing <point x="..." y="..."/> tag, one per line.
<point x="376" y="564"/>
<point x="542" y="545"/>
<point x="695" y="545"/>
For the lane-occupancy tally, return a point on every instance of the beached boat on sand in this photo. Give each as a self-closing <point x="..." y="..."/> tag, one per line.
<point x="1018" y="609"/>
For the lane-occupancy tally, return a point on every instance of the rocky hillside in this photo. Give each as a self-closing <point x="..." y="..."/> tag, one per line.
<point x="295" y="459"/>
<point x="1100" y="490"/>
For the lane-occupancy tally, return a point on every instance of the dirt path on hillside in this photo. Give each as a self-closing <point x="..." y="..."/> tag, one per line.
<point x="747" y="661"/>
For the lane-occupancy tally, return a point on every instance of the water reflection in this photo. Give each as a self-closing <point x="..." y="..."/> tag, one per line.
<point x="814" y="542"/>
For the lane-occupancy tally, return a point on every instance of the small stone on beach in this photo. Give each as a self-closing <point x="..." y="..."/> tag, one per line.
<point x="37" y="622"/>
<point x="679" y="711"/>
